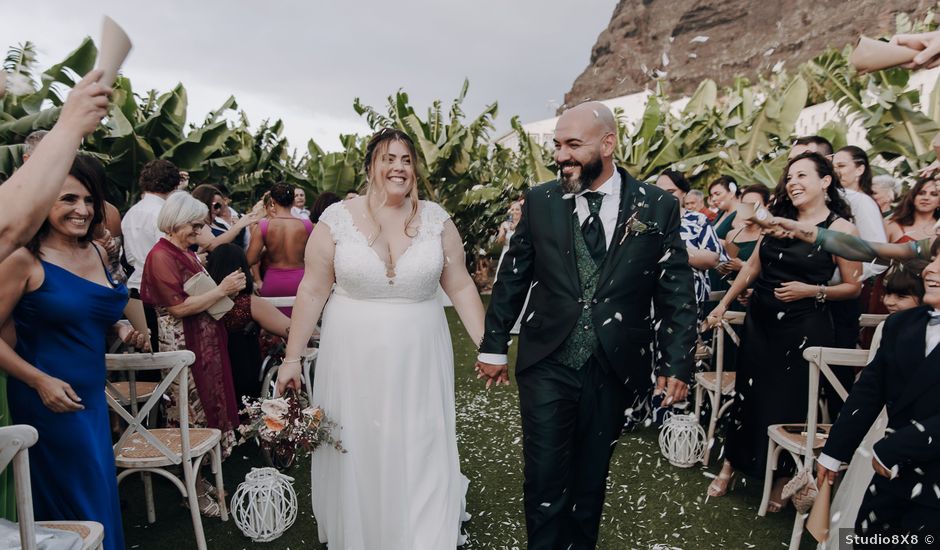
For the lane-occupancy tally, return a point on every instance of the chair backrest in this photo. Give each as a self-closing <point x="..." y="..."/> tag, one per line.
<point x="176" y="363"/>
<point x="281" y="301"/>
<point x="14" y="440"/>
<point x="870" y="320"/>
<point x="718" y="340"/>
<point x="821" y="360"/>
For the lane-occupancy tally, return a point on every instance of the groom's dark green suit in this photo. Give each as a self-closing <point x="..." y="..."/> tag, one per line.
<point x="574" y="386"/>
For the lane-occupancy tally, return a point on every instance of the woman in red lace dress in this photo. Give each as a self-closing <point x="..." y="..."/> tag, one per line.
<point x="183" y="322"/>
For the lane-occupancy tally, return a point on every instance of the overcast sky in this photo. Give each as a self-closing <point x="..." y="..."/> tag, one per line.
<point x="305" y="61"/>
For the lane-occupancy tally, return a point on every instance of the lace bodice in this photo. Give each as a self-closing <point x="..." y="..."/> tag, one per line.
<point x="361" y="273"/>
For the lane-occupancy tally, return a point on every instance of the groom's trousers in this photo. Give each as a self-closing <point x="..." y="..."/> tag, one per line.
<point x="571" y="420"/>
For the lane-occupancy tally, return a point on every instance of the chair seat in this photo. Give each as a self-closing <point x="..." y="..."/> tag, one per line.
<point x="138" y="452"/>
<point x="796" y="442"/>
<point x="121" y="391"/>
<point x="709" y="381"/>
<point x="92" y="532"/>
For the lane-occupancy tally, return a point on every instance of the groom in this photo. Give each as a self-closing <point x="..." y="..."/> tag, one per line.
<point x="597" y="248"/>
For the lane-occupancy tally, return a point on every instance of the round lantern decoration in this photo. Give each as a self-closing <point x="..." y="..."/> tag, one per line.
<point x="265" y="505"/>
<point x="682" y="440"/>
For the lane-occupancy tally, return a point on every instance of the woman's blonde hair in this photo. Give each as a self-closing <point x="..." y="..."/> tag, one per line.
<point x="179" y="209"/>
<point x="375" y="150"/>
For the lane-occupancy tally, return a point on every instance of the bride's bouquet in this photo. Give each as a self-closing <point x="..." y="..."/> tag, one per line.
<point x="287" y="427"/>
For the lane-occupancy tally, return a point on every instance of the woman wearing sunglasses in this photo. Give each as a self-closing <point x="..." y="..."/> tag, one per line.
<point x="211" y="196"/>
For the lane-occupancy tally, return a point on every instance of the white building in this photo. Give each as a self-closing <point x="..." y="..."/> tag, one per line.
<point x="809" y="122"/>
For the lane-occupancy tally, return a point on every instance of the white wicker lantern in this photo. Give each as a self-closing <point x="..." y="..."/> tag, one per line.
<point x="682" y="440"/>
<point x="265" y="504"/>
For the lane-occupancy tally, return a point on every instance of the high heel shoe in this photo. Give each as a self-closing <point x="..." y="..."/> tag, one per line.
<point x="719" y="486"/>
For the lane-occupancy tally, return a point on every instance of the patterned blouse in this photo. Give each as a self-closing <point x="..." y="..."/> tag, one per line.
<point x="698" y="233"/>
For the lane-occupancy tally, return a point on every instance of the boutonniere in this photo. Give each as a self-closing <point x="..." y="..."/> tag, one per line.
<point x="635" y="226"/>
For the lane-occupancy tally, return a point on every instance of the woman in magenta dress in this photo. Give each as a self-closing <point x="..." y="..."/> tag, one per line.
<point x="63" y="303"/>
<point x="283" y="238"/>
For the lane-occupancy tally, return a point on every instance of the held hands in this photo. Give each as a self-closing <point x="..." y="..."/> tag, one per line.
<point x="792" y="291"/>
<point x="86" y="105"/>
<point x="676" y="390"/>
<point x="493" y="373"/>
<point x="57" y="395"/>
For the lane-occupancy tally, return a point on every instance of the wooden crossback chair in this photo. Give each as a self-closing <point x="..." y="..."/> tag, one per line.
<point x="718" y="385"/>
<point x="804" y="441"/>
<point x="14" y="442"/>
<point x="157" y="451"/>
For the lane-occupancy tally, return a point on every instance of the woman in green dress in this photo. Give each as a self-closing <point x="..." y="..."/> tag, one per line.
<point x="740" y="244"/>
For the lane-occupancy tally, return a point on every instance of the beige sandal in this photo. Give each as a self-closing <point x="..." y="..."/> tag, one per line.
<point x="719" y="486"/>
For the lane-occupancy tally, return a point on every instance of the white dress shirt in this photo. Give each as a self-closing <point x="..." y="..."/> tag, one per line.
<point x="302" y="213"/>
<point x="610" y="208"/>
<point x="140" y="234"/>
<point x="870" y="224"/>
<point x="931" y="340"/>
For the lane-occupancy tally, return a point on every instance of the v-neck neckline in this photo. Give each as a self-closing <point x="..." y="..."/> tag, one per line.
<point x="390" y="265"/>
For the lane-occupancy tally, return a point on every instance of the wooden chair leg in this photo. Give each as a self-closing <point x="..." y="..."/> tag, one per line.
<point x="710" y="436"/>
<point x="797" y="534"/>
<point x="768" y="478"/>
<point x="148" y="496"/>
<point x="698" y="402"/>
<point x="219" y="483"/>
<point x="189" y="479"/>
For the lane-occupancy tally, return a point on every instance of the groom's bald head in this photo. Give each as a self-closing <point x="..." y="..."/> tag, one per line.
<point x="585" y="141"/>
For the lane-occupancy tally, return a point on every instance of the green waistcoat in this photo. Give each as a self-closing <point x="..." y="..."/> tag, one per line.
<point x="580" y="345"/>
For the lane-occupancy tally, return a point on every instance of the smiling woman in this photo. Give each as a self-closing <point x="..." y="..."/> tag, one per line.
<point x="63" y="303"/>
<point x="788" y="311"/>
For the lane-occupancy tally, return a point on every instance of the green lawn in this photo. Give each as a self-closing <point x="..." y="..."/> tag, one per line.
<point x="649" y="501"/>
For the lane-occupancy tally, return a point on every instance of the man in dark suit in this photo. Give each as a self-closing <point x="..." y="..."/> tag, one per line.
<point x="597" y="248"/>
<point x="904" y="376"/>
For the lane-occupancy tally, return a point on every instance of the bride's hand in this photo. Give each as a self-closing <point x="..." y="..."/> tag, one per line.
<point x="288" y="376"/>
<point x="493" y="373"/>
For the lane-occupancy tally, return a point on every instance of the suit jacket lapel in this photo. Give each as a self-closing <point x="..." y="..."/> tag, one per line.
<point x="910" y="351"/>
<point x="628" y="192"/>
<point x="560" y="214"/>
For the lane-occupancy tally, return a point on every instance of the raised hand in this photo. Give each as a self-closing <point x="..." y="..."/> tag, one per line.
<point x="86" y="105"/>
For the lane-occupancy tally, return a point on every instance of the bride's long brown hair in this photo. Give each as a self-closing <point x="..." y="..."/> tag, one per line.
<point x="375" y="150"/>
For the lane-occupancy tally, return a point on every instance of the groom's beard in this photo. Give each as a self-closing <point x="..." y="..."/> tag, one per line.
<point x="587" y="174"/>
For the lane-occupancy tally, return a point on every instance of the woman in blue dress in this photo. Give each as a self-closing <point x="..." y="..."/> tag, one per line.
<point x="63" y="303"/>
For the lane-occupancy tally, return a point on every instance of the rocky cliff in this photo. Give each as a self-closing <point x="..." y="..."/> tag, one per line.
<point x="690" y="40"/>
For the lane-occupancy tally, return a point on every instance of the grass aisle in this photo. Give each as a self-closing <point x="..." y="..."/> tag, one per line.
<point x="649" y="501"/>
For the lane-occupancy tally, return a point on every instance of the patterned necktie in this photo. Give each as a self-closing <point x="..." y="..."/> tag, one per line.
<point x="593" y="228"/>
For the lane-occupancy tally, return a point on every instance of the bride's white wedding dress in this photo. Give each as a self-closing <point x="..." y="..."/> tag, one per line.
<point x="385" y="373"/>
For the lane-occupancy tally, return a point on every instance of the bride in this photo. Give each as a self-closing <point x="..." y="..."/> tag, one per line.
<point x="385" y="370"/>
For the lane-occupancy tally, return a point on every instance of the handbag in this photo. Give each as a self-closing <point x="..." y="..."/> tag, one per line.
<point x="801" y="490"/>
<point x="201" y="283"/>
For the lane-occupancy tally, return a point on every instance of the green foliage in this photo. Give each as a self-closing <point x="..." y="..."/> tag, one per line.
<point x="744" y="130"/>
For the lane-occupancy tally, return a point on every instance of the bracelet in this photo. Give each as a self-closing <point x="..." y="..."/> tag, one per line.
<point x="286" y="361"/>
<point x="821" y="294"/>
